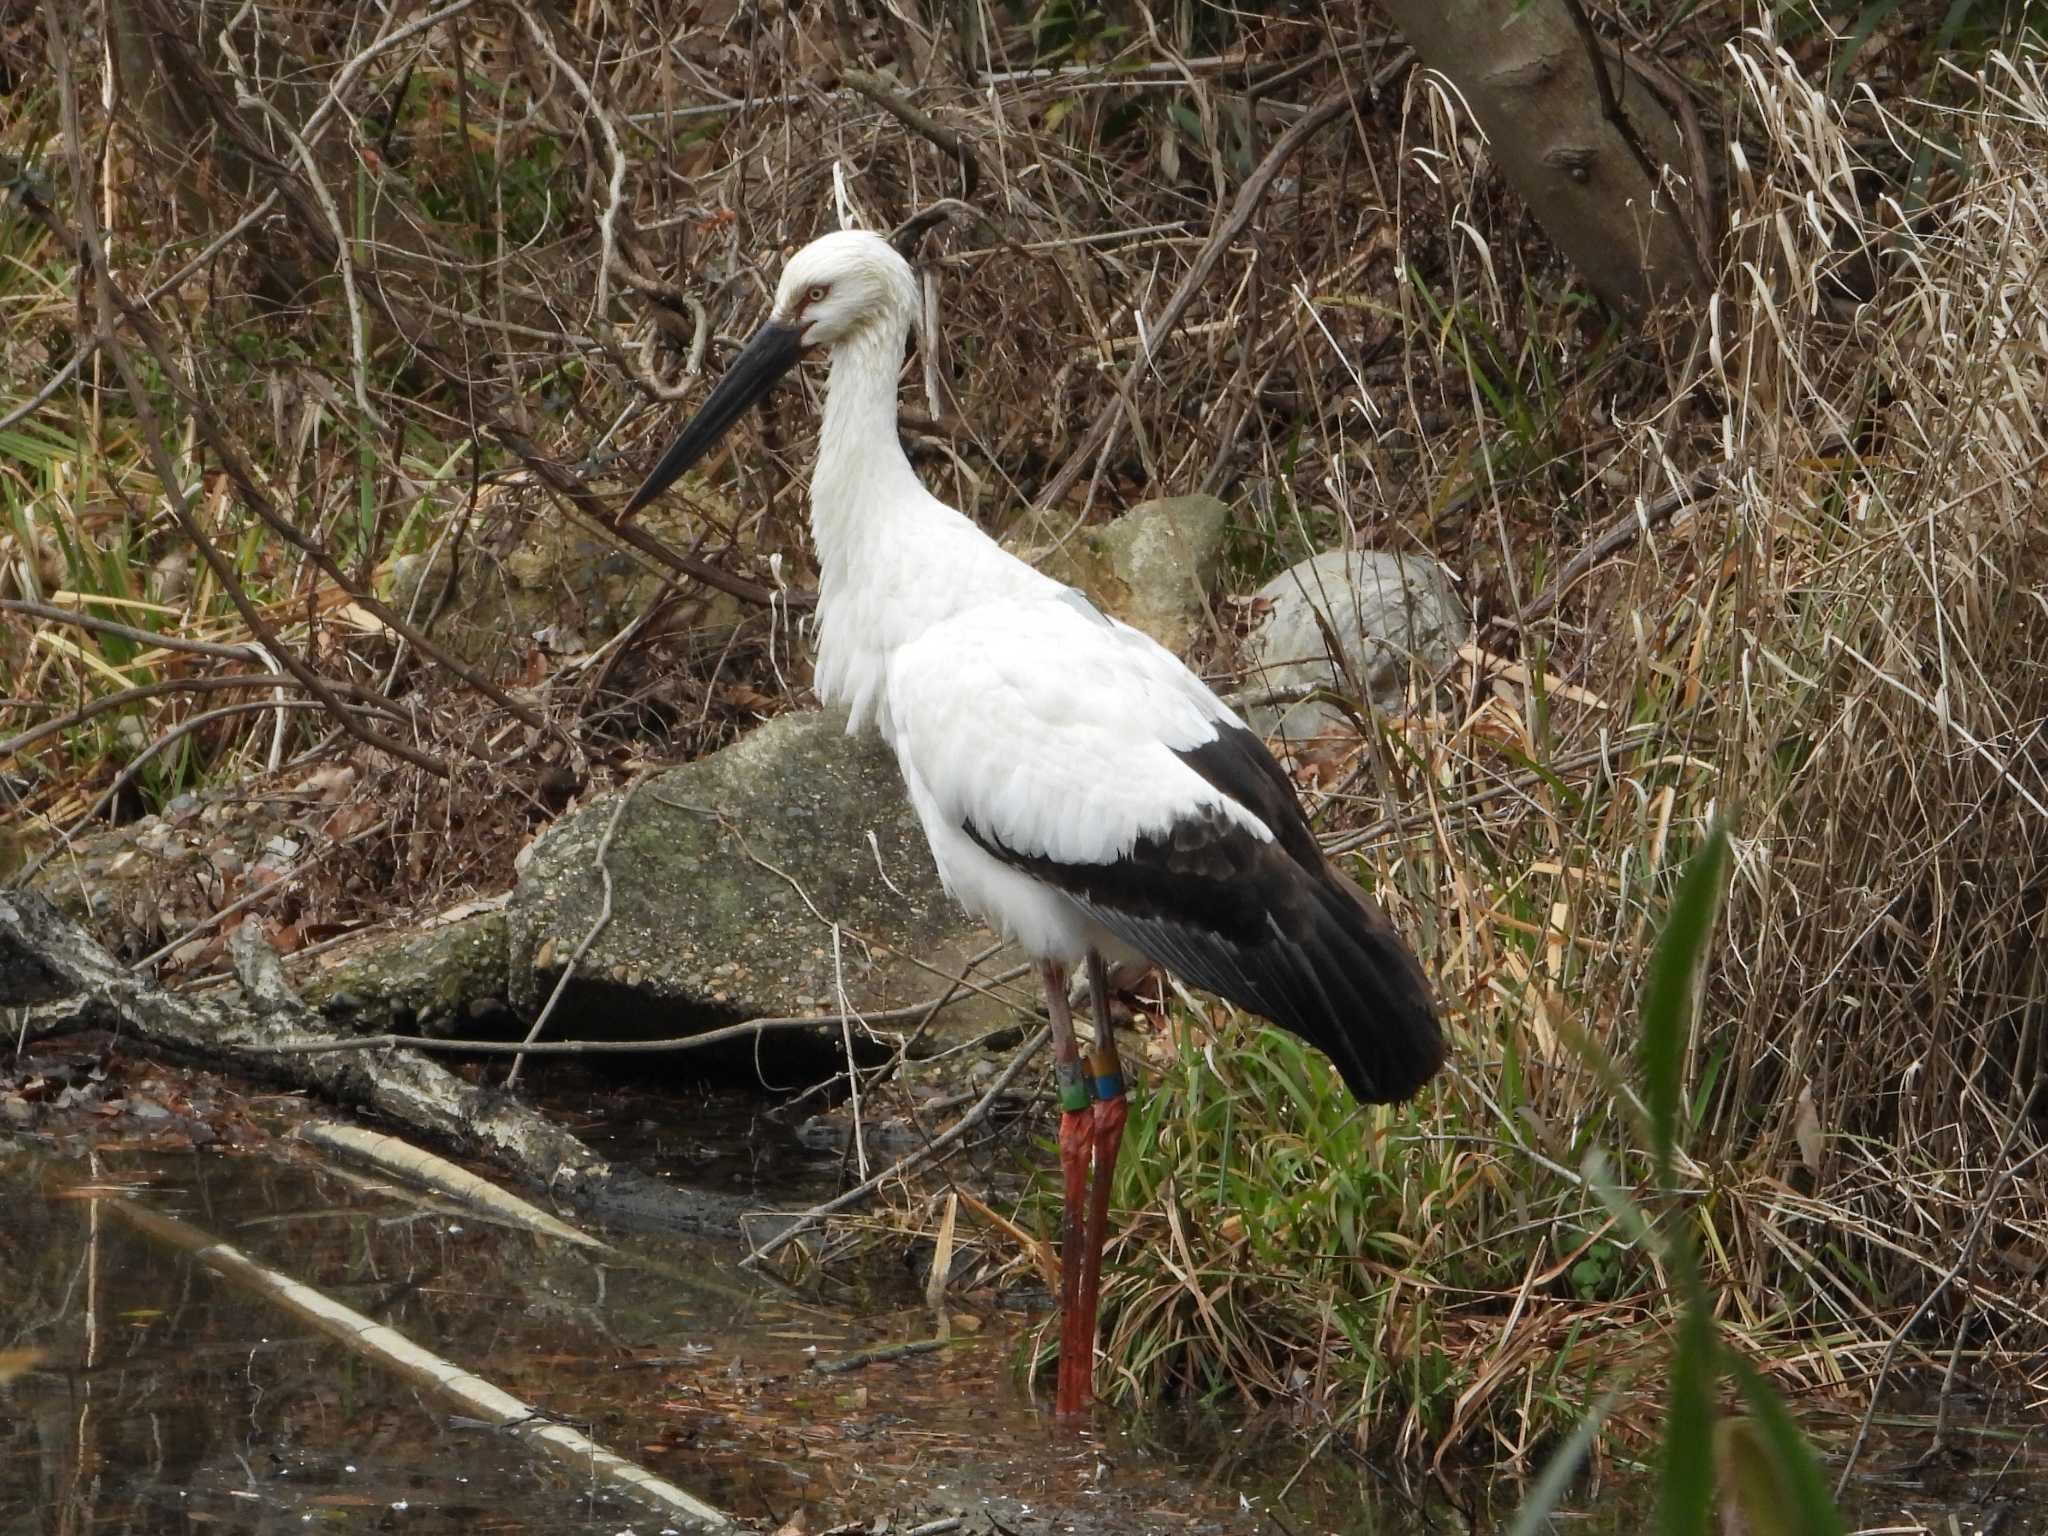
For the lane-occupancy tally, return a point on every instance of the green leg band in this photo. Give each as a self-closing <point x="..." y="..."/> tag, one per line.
<point x="1074" y="1095"/>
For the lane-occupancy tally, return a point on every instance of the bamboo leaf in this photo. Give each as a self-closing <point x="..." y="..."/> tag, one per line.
<point x="1777" y="1459"/>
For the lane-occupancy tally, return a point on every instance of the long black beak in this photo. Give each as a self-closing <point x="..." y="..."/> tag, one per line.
<point x="772" y="353"/>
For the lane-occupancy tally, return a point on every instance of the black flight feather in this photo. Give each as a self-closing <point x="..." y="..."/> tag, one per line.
<point x="1269" y="925"/>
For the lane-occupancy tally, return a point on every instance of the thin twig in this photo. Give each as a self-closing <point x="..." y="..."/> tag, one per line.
<point x="328" y="691"/>
<point x="846" y="1019"/>
<point x="149" y="637"/>
<point x="1333" y="105"/>
<point x="615" y="195"/>
<point x="885" y="95"/>
<point x="909" y="1162"/>
<point x="1611" y="110"/>
<point x="1633" y="524"/>
<point x="597" y="926"/>
<point x="247" y="98"/>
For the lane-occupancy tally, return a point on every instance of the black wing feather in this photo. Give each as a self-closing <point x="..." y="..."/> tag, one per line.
<point x="1268" y="925"/>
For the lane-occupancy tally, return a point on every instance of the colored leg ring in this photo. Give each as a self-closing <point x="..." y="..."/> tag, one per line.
<point x="1108" y="1074"/>
<point x="1074" y="1095"/>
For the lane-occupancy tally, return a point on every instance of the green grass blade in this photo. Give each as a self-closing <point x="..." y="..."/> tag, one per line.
<point x="1667" y="992"/>
<point x="1685" y="1479"/>
<point x="1797" y="1489"/>
<point x="1556" y="1478"/>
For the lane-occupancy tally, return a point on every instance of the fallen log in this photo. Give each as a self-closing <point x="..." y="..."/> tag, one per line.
<point x="55" y="979"/>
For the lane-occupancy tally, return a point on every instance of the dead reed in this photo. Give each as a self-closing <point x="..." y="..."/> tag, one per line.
<point x="1816" y="608"/>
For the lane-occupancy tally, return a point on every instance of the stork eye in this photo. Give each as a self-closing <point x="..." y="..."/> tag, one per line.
<point x="816" y="295"/>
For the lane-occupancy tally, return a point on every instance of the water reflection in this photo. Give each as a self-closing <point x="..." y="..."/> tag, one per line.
<point x="167" y="1399"/>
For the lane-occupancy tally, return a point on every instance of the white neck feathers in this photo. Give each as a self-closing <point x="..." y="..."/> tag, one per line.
<point x="862" y="478"/>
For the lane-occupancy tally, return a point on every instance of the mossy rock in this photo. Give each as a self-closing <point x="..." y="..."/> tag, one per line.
<point x="727" y="875"/>
<point x="430" y="981"/>
<point x="1154" y="567"/>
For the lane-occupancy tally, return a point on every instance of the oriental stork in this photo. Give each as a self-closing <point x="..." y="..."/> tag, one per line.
<point x="1083" y="792"/>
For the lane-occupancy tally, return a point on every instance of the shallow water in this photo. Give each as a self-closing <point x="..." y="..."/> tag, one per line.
<point x="161" y="1397"/>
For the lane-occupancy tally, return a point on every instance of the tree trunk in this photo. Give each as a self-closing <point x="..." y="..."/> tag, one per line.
<point x="1524" y="71"/>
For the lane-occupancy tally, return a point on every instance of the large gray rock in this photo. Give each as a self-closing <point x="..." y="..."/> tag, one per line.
<point x="727" y="875"/>
<point x="1153" y="567"/>
<point x="1387" y="611"/>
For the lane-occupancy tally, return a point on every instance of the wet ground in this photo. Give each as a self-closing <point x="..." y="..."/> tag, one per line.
<point x="140" y="1391"/>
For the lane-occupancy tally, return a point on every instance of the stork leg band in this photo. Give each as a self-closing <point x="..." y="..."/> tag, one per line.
<point x="1074" y="1094"/>
<point x="1109" y="1074"/>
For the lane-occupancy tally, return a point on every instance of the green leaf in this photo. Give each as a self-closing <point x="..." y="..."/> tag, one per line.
<point x="1749" y="1480"/>
<point x="1667" y="991"/>
<point x="1768" y="1451"/>
<point x="1685" y="1481"/>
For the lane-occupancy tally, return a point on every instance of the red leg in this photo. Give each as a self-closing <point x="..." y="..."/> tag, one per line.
<point x="1070" y="1395"/>
<point x="1076" y="1347"/>
<point x="1111" y="1110"/>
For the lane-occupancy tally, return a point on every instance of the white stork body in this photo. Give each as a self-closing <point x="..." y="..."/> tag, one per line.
<point x="1050" y="731"/>
<point x="1011" y="703"/>
<point x="1083" y="792"/>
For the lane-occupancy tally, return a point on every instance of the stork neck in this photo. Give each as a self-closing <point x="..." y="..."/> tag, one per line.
<point x="862" y="472"/>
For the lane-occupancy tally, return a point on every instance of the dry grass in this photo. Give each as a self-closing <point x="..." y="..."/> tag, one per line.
<point x="1834" y="646"/>
<point x="1839" y="652"/>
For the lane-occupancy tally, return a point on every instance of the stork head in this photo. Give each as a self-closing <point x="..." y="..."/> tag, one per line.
<point x="840" y="287"/>
<point x="843" y="283"/>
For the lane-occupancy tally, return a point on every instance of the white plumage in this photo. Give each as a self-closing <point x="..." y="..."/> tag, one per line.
<point x="1054" y="732"/>
<point x="1083" y="792"/>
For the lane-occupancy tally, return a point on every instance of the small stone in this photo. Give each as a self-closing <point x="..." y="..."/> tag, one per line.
<point x="1390" y="614"/>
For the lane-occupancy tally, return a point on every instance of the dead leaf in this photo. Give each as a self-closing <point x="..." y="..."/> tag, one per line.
<point x="1806" y="1130"/>
<point x="360" y="619"/>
